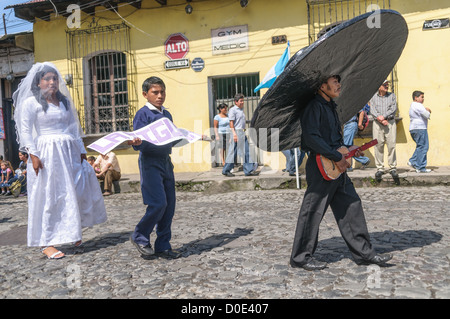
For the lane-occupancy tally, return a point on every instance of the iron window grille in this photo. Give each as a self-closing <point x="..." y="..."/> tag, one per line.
<point x="103" y="72"/>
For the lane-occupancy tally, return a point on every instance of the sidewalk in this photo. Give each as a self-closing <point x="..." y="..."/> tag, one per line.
<point x="214" y="182"/>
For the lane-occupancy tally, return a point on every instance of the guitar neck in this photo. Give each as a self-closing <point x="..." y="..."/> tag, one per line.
<point x="361" y="148"/>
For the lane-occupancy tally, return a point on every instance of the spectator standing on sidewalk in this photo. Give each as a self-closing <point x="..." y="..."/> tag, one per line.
<point x="290" y="159"/>
<point x="419" y="116"/>
<point x="239" y="142"/>
<point x="383" y="107"/>
<point x="222" y="130"/>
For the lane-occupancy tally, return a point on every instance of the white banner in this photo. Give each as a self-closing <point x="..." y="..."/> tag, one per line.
<point x="160" y="132"/>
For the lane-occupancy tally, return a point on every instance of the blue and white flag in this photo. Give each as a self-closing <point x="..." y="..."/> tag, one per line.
<point x="275" y="71"/>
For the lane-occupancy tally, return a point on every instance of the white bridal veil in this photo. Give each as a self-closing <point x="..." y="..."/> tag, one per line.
<point x="28" y="90"/>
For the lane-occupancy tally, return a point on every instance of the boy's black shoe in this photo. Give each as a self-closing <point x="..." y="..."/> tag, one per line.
<point x="144" y="250"/>
<point x="169" y="254"/>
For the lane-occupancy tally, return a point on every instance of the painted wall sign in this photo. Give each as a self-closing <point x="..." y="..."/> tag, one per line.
<point x="176" y="64"/>
<point x="229" y="40"/>
<point x="279" y="39"/>
<point x="435" y="24"/>
<point x="197" y="64"/>
<point x="176" y="46"/>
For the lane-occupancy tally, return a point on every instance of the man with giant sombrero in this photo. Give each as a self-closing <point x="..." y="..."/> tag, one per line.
<point x="321" y="87"/>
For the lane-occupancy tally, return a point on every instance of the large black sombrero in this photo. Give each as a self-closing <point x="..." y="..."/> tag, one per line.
<point x="361" y="53"/>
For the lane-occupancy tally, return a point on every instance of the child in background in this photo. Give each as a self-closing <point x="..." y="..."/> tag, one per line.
<point x="7" y="174"/>
<point x="419" y="116"/>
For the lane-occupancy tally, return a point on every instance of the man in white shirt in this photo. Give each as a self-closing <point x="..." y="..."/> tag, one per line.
<point x="109" y="170"/>
<point x="419" y="116"/>
<point x="239" y="143"/>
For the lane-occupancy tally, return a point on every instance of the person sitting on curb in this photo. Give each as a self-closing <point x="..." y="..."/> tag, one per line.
<point x="91" y="161"/>
<point x="109" y="171"/>
<point x="6" y="175"/>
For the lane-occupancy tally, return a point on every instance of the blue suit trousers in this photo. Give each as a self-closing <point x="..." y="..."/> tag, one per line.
<point x="158" y="192"/>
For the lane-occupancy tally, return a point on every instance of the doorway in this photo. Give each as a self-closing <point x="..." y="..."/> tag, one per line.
<point x="11" y="147"/>
<point x="222" y="90"/>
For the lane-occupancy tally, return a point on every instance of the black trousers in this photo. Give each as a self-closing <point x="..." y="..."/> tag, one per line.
<point x="345" y="203"/>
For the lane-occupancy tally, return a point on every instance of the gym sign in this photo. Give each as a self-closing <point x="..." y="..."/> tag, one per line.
<point x="229" y="40"/>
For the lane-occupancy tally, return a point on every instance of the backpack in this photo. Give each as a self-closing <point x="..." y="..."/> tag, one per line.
<point x="15" y="188"/>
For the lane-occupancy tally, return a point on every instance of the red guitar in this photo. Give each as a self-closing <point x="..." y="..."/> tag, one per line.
<point x="328" y="168"/>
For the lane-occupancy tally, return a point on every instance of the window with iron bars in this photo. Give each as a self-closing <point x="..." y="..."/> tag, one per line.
<point x="225" y="88"/>
<point x="108" y="110"/>
<point x="103" y="71"/>
<point x="323" y="15"/>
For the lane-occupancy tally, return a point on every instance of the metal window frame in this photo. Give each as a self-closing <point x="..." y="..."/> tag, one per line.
<point x="82" y="46"/>
<point x="107" y="80"/>
<point x="243" y="83"/>
<point x="329" y="13"/>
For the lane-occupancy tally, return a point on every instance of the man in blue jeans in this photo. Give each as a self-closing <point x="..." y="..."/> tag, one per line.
<point x="350" y="129"/>
<point x="290" y="159"/>
<point x="419" y="116"/>
<point x="239" y="143"/>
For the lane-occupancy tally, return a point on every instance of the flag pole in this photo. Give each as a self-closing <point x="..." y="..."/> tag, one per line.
<point x="296" y="169"/>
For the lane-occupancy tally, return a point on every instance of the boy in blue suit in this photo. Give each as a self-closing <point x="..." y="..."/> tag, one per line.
<point x="157" y="177"/>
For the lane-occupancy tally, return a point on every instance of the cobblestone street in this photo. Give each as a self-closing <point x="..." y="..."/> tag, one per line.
<point x="237" y="245"/>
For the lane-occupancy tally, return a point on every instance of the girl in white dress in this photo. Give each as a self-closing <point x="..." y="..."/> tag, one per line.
<point x="63" y="192"/>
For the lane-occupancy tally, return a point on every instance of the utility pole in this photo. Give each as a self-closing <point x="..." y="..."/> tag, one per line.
<point x="4" y="24"/>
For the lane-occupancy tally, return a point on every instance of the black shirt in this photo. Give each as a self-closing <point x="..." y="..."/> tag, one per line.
<point x="321" y="129"/>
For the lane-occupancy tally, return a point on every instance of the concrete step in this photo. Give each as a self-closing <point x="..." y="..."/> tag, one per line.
<point x="214" y="182"/>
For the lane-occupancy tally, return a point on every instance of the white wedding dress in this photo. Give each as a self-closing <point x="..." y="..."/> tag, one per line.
<point x="65" y="195"/>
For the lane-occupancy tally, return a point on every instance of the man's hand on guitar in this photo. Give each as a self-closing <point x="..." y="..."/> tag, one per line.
<point x="358" y="152"/>
<point x="331" y="170"/>
<point x="342" y="165"/>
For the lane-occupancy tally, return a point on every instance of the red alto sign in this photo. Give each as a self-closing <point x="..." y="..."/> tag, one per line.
<point x="176" y="46"/>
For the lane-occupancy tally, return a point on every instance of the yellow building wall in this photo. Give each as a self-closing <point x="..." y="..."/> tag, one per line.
<point x="423" y="65"/>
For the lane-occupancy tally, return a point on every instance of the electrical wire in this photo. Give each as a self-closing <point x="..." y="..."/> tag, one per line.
<point x="56" y="9"/>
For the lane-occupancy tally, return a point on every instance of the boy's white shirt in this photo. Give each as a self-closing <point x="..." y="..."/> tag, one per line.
<point x="418" y="116"/>
<point x="152" y="107"/>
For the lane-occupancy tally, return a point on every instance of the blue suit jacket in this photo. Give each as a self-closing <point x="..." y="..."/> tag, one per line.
<point x="144" y="117"/>
<point x="154" y="162"/>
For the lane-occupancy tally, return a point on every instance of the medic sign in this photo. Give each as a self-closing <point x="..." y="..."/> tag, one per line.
<point x="176" y="46"/>
<point x="229" y="40"/>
